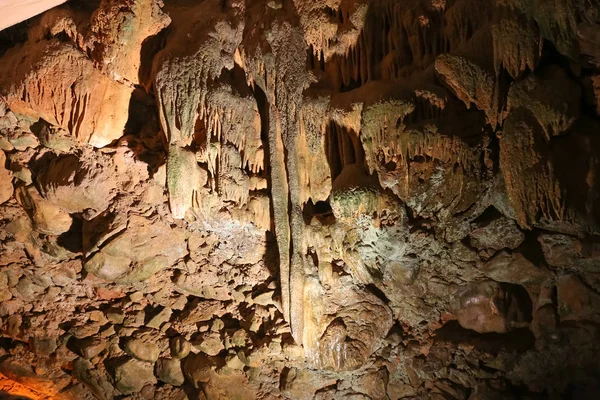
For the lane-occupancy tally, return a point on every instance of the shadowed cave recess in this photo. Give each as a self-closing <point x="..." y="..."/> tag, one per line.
<point x="301" y="199"/>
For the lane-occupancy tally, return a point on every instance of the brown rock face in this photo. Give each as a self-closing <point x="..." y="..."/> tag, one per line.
<point x="47" y="217"/>
<point x="498" y="234"/>
<point x="492" y="307"/>
<point x="576" y="301"/>
<point x="75" y="185"/>
<point x="118" y="31"/>
<point x="341" y="340"/>
<point x="6" y="186"/>
<point x="514" y="268"/>
<point x="57" y="83"/>
<point x="134" y="255"/>
<point x="301" y="199"/>
<point x="131" y="376"/>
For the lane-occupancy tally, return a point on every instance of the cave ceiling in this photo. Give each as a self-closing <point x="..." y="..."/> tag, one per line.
<point x="329" y="199"/>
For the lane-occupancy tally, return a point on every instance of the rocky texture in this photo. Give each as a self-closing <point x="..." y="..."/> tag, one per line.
<point x="169" y="371"/>
<point x="138" y="251"/>
<point x="46" y="216"/>
<point x="132" y="376"/>
<point x="6" y="186"/>
<point x="490" y="306"/>
<point x="304" y="200"/>
<point x="80" y="99"/>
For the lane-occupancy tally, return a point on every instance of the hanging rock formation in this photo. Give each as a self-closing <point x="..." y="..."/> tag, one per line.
<point x="301" y="199"/>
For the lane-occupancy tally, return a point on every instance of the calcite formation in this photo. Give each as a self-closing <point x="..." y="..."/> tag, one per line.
<point x="301" y="199"/>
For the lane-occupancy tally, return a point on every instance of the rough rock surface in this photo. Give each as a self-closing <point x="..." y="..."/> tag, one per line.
<point x="301" y="199"/>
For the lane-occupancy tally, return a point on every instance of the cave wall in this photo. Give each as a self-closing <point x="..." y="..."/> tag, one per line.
<point x="301" y="199"/>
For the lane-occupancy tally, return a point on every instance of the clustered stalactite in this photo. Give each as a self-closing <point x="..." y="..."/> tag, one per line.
<point x="301" y="199"/>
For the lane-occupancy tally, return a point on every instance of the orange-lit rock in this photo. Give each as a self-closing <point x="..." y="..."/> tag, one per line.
<point x="118" y="31"/>
<point x="58" y="83"/>
<point x="6" y="187"/>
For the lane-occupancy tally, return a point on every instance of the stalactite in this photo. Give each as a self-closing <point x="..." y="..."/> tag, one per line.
<point x="288" y="96"/>
<point x="315" y="179"/>
<point x="182" y="78"/>
<point x="233" y="118"/>
<point x="524" y="48"/>
<point x="378" y="126"/>
<point x="528" y="170"/>
<point x="471" y="83"/>
<point x="555" y="105"/>
<point x="399" y="37"/>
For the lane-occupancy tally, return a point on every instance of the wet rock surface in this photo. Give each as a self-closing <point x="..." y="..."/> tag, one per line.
<point x="301" y="200"/>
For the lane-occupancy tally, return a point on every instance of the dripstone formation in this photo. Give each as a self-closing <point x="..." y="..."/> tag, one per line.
<point x="301" y="199"/>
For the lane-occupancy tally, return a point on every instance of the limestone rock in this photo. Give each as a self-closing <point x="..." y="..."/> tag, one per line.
<point x="163" y="316"/>
<point x="563" y="251"/>
<point x="115" y="316"/>
<point x="6" y="187"/>
<point x="528" y="170"/>
<point x="47" y="217"/>
<point x="85" y="331"/>
<point x="471" y="83"/>
<point x="91" y="347"/>
<point x="99" y="112"/>
<point x="209" y="343"/>
<point x="517" y="42"/>
<point x="116" y="261"/>
<point x="230" y="265"/>
<point x="142" y="350"/>
<point x="76" y="185"/>
<point x="303" y="384"/>
<point x="329" y="199"/>
<point x="25" y="141"/>
<point x="134" y="319"/>
<point x="184" y="180"/>
<point x="555" y="106"/>
<point x="180" y="347"/>
<point x="93" y="379"/>
<point x="576" y="301"/>
<point x="500" y="233"/>
<point x="219" y="384"/>
<point x="118" y="31"/>
<point x="333" y="339"/>
<point x="19" y="371"/>
<point x="514" y="268"/>
<point x="372" y="384"/>
<point x="169" y="371"/>
<point x="43" y="346"/>
<point x="491" y="307"/>
<point x="199" y="286"/>
<point x="23" y="174"/>
<point x="132" y="376"/>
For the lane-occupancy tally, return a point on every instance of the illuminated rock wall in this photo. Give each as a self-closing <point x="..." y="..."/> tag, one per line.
<point x="301" y="199"/>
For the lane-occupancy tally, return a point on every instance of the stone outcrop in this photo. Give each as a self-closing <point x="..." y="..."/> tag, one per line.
<point x="143" y="248"/>
<point x="80" y="99"/>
